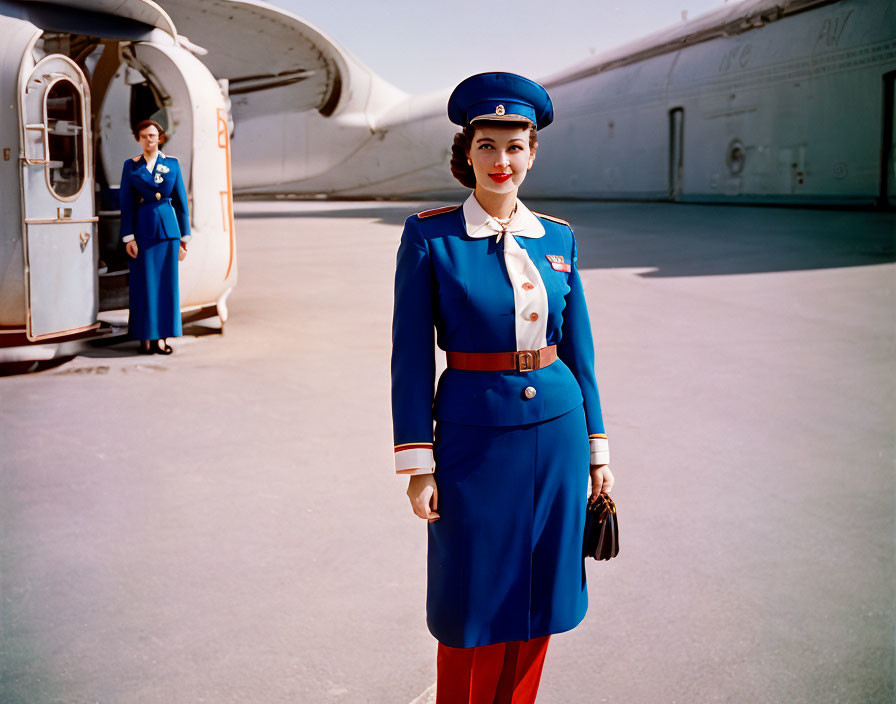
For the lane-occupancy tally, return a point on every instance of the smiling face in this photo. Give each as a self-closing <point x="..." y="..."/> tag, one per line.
<point x="149" y="139"/>
<point x="501" y="157"/>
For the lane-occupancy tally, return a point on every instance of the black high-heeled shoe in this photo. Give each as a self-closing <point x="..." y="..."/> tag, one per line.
<point x="167" y="349"/>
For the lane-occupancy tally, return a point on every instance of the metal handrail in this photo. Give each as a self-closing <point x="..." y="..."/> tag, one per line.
<point x="40" y="127"/>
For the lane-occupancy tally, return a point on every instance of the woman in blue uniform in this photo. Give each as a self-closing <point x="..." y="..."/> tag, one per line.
<point x="155" y="225"/>
<point x="503" y="478"/>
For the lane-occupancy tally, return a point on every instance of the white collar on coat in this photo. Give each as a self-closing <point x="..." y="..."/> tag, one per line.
<point x="151" y="164"/>
<point x="480" y="224"/>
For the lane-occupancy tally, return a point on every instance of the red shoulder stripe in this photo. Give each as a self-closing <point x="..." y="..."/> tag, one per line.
<point x="551" y="218"/>
<point x="437" y="211"/>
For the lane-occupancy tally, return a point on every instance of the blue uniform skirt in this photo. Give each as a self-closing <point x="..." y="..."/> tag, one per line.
<point x="505" y="558"/>
<point x="154" y="290"/>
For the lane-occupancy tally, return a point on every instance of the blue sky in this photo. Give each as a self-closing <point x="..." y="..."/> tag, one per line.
<point x="421" y="46"/>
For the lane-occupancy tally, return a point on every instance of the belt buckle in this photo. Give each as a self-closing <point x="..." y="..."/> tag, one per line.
<point x="527" y="360"/>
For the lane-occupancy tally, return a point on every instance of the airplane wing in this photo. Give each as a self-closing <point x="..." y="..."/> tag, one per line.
<point x="144" y="11"/>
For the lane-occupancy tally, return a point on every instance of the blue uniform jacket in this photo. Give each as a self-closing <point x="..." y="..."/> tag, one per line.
<point x="154" y="206"/>
<point x="459" y="286"/>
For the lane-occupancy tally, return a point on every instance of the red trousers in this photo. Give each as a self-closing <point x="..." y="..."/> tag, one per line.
<point x="502" y="673"/>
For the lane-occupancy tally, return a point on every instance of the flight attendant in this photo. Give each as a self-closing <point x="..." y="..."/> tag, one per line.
<point x="155" y="226"/>
<point x="502" y="481"/>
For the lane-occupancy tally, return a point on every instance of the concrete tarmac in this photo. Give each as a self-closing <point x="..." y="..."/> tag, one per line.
<point x="224" y="525"/>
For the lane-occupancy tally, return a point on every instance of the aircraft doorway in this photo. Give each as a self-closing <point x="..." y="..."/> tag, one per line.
<point x="888" y="144"/>
<point x="676" y="152"/>
<point x="147" y="84"/>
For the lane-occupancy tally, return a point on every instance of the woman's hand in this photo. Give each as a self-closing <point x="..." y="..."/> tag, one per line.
<point x="601" y="480"/>
<point x="182" y="254"/>
<point x="131" y="248"/>
<point x="424" y="496"/>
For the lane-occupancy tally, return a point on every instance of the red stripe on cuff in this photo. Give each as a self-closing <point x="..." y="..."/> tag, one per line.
<point x="414" y="446"/>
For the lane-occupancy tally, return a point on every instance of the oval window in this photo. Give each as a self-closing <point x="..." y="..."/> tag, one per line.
<point x="65" y="139"/>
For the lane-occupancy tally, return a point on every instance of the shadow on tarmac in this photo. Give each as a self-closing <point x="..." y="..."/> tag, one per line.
<point x="115" y="347"/>
<point x="686" y="240"/>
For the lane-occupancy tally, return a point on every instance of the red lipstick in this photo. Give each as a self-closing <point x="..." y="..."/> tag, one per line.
<point x="499" y="178"/>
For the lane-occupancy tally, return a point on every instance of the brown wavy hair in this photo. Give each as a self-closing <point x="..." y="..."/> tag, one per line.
<point x="463" y="141"/>
<point x="143" y="124"/>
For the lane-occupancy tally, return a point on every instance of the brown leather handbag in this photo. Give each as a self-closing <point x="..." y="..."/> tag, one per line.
<point x="601" y="529"/>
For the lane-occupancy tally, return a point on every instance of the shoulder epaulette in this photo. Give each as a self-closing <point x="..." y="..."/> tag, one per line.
<point x="437" y="211"/>
<point x="551" y="218"/>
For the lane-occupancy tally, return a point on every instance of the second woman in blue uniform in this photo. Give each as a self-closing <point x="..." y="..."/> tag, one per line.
<point x="155" y="226"/>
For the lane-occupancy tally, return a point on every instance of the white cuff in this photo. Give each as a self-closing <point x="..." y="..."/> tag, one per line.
<point x="414" y="458"/>
<point x="186" y="239"/>
<point x="127" y="238"/>
<point x="600" y="449"/>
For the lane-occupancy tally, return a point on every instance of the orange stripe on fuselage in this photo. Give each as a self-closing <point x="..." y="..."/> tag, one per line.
<point x="224" y="143"/>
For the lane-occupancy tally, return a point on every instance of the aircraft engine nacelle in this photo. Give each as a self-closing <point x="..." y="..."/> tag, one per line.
<point x="310" y="118"/>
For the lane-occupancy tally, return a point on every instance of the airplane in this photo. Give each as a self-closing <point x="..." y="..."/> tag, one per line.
<point x="77" y="75"/>
<point x="759" y="102"/>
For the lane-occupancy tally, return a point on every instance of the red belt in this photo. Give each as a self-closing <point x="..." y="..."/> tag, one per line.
<point x="522" y="361"/>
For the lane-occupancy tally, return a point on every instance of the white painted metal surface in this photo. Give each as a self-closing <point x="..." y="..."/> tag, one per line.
<point x="113" y="123"/>
<point x="144" y="11"/>
<point x="18" y="38"/>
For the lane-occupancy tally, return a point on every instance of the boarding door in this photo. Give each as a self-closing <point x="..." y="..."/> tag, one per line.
<point x="57" y="189"/>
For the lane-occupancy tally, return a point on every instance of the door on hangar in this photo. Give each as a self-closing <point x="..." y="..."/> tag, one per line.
<point x="676" y="152"/>
<point x="887" y="196"/>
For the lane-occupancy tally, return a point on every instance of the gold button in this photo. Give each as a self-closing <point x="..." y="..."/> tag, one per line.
<point x="158" y="196"/>
<point x="533" y="317"/>
<point x="527" y="286"/>
<point x="530" y="392"/>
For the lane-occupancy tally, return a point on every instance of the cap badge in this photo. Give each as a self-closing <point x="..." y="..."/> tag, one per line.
<point x="500" y="110"/>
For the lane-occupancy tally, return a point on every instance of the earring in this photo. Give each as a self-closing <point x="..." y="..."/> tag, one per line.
<point x="469" y="162"/>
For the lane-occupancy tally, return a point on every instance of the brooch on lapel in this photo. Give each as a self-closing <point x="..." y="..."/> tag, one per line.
<point x="163" y="169"/>
<point x="558" y="263"/>
<point x="158" y="178"/>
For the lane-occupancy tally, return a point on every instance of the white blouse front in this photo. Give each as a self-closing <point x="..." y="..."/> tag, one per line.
<point x="530" y="298"/>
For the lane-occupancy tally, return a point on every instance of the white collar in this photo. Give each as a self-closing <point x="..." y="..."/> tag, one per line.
<point x="480" y="224"/>
<point x="155" y="157"/>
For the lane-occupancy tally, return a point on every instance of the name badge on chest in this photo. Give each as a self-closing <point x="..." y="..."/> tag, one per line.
<point x="558" y="263"/>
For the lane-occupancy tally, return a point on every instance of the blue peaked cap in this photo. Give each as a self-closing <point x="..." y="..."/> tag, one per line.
<point x="500" y="96"/>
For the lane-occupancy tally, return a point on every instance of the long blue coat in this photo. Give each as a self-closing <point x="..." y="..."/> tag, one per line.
<point x="154" y="211"/>
<point x="511" y="466"/>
